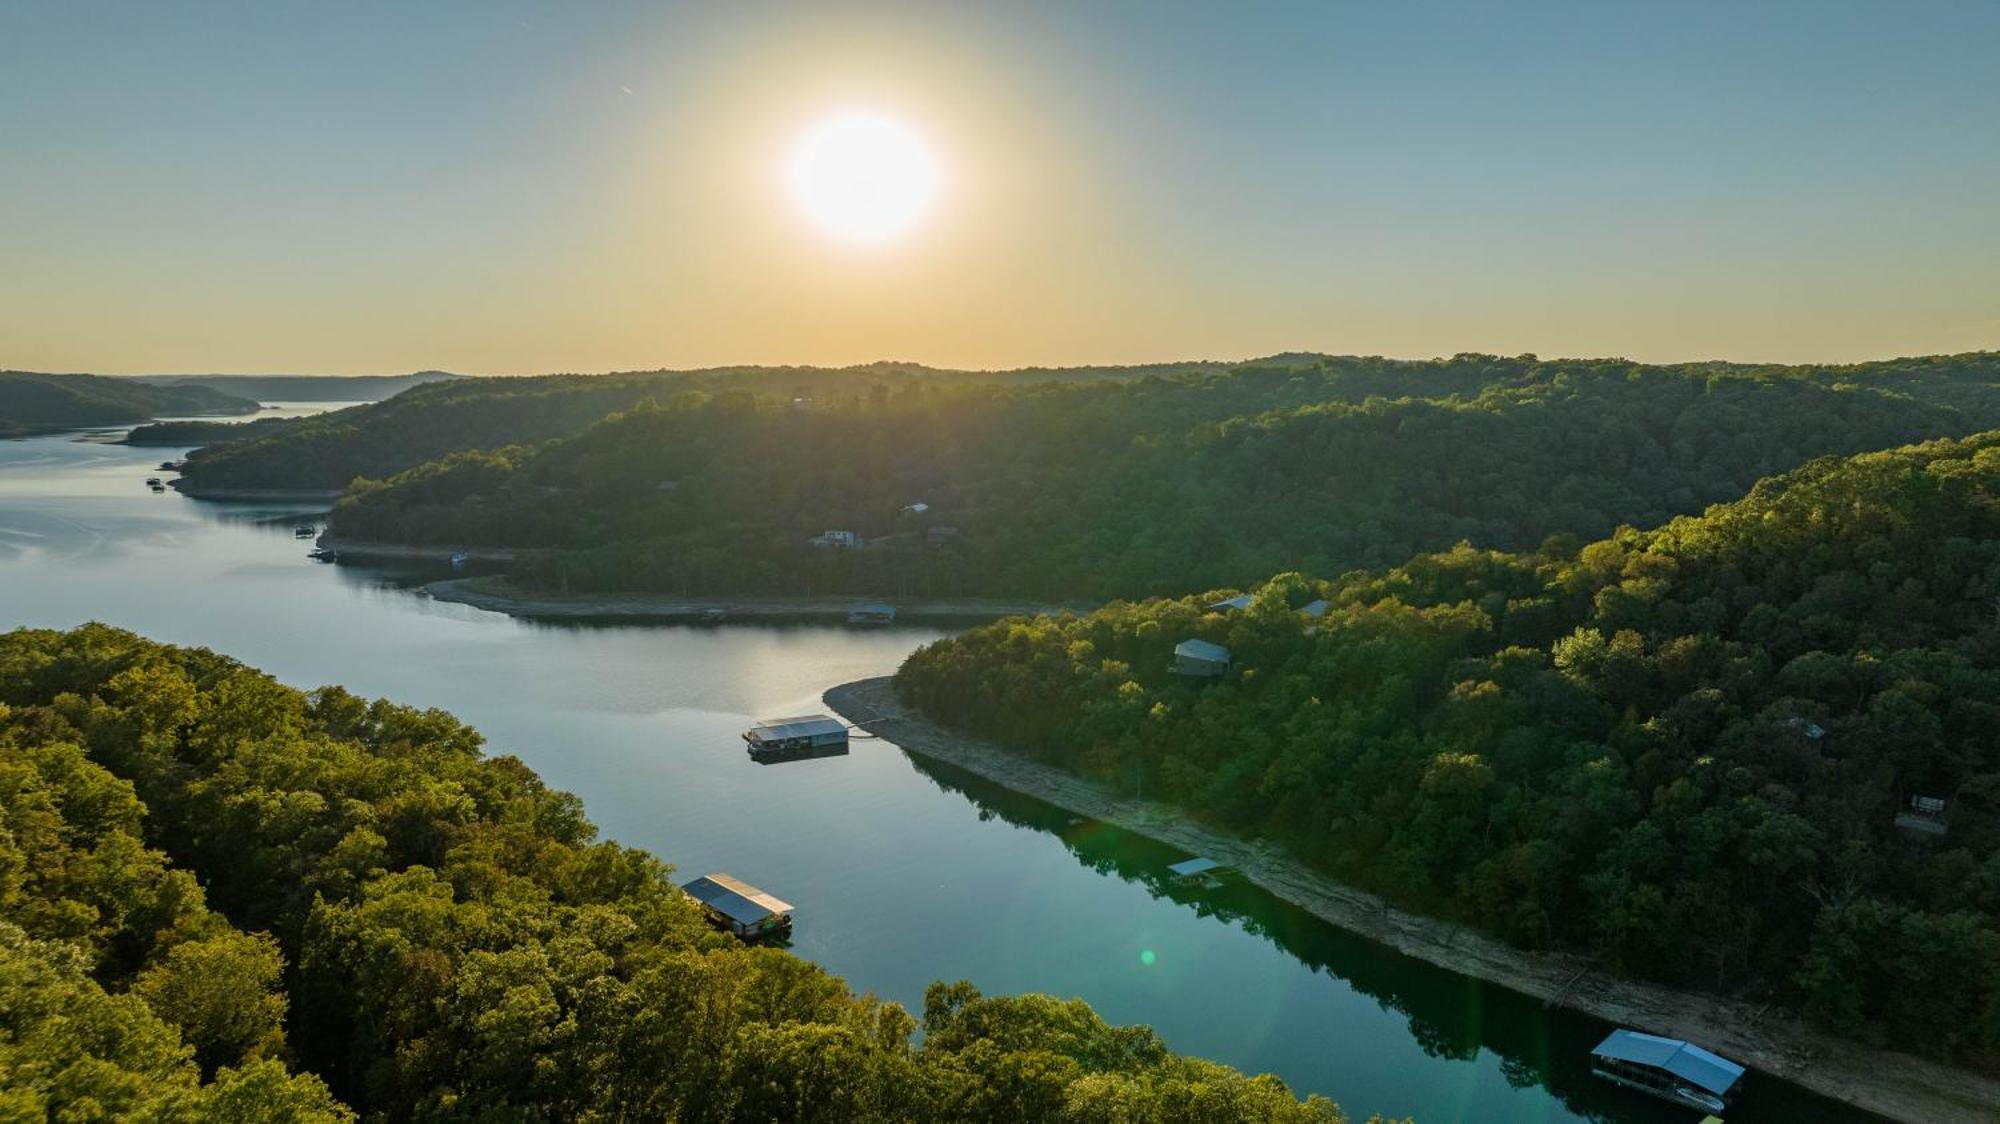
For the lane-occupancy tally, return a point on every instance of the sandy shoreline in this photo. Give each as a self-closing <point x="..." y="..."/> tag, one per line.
<point x="1882" y="1081"/>
<point x="487" y="593"/>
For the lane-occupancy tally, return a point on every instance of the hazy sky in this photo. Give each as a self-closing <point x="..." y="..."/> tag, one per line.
<point x="527" y="187"/>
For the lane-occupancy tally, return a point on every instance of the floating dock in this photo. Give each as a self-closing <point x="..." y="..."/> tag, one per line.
<point x="808" y="735"/>
<point x="740" y="908"/>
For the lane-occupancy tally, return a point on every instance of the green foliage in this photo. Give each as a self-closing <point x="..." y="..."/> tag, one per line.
<point x="1061" y="491"/>
<point x="1682" y="751"/>
<point x="431" y="933"/>
<point x="37" y="403"/>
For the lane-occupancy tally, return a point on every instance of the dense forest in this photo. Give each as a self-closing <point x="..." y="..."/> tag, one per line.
<point x="37" y="403"/>
<point x="1147" y="487"/>
<point x="1692" y="753"/>
<point x="225" y="899"/>
<point x="460" y="414"/>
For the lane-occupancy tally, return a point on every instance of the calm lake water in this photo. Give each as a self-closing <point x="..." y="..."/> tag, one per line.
<point x="903" y="872"/>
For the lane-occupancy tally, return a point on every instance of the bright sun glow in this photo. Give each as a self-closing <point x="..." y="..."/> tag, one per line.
<point x="862" y="177"/>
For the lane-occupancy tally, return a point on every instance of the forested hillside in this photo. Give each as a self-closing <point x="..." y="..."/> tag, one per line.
<point x="1683" y="751"/>
<point x="460" y="414"/>
<point x="1152" y="487"/>
<point x="38" y="403"/>
<point x="224" y="899"/>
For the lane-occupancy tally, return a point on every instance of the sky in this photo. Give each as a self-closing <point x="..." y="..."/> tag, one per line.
<point x="522" y="187"/>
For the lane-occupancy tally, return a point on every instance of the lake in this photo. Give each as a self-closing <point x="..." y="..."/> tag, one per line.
<point x="903" y="871"/>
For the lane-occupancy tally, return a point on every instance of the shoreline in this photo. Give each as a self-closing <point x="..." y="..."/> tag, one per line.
<point x="196" y="492"/>
<point x="349" y="549"/>
<point x="1773" y="1042"/>
<point x="481" y="593"/>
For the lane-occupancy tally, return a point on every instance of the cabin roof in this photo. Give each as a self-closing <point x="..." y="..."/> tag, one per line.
<point x="1316" y="608"/>
<point x="1684" y="1060"/>
<point x="1192" y="867"/>
<point x="735" y="899"/>
<point x="1202" y="650"/>
<point x="1239" y="602"/>
<point x="803" y="726"/>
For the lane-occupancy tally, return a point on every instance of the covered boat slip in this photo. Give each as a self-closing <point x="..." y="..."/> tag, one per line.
<point x="739" y="907"/>
<point x="808" y="735"/>
<point x="1667" y="1068"/>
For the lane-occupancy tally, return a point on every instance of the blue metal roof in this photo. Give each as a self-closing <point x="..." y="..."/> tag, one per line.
<point x="1192" y="867"/>
<point x="1684" y="1060"/>
<point x="1202" y="650"/>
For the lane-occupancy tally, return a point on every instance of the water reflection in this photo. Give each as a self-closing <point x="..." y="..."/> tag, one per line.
<point x="1449" y="1015"/>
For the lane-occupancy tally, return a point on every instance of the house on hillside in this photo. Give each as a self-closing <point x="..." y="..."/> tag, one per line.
<point x="1234" y="604"/>
<point x="1316" y="609"/>
<point x="843" y="539"/>
<point x="1199" y="659"/>
<point x="1924" y="817"/>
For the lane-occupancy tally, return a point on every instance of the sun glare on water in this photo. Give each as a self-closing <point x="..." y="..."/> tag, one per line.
<point x="863" y="178"/>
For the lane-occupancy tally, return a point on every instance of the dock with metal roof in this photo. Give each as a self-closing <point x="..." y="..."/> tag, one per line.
<point x="739" y="907"/>
<point x="802" y="735"/>
<point x="1668" y="1068"/>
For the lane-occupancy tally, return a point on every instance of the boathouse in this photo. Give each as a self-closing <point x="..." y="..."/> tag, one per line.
<point x="1200" y="659"/>
<point x="739" y="907"/>
<point x="867" y="613"/>
<point x="807" y="733"/>
<point x="1668" y="1068"/>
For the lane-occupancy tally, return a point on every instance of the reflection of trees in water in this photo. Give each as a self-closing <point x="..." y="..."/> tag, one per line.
<point x="1449" y="1015"/>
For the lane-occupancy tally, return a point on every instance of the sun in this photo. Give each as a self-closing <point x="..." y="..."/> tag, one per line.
<point x="863" y="177"/>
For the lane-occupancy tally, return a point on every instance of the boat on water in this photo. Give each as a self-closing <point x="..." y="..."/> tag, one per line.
<point x="157" y="488"/>
<point x="153" y="481"/>
<point x="1668" y="1068"/>
<point x="714" y="615"/>
<point x="304" y="531"/>
<point x="323" y="555"/>
<point x="459" y="558"/>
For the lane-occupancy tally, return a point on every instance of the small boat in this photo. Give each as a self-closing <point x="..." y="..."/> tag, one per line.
<point x="713" y="615"/>
<point x="322" y="554"/>
<point x="157" y="488"/>
<point x="153" y="481"/>
<point x="304" y="531"/>
<point x="459" y="558"/>
<point x="170" y="466"/>
<point x="1674" y="1071"/>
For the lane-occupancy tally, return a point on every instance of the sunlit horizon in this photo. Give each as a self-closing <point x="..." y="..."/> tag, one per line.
<point x="520" y="188"/>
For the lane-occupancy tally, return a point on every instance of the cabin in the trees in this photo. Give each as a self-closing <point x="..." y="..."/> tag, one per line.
<point x="1316" y="609"/>
<point x="1234" y="604"/>
<point x="1200" y="659"/>
<point x="740" y="908"/>
<point x="830" y="539"/>
<point x="807" y="735"/>
<point x="1668" y="1068"/>
<point x="1924" y="817"/>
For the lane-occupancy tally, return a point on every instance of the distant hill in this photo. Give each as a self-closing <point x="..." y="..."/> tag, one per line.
<point x="302" y="388"/>
<point x="1060" y="490"/>
<point x="31" y="402"/>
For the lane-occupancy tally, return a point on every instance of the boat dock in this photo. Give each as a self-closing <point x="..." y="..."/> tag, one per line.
<point x="736" y="906"/>
<point x="807" y="735"/>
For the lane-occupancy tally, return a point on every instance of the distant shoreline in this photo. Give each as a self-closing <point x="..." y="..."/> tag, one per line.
<point x="494" y="594"/>
<point x="1891" y="1084"/>
<point x="300" y="495"/>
